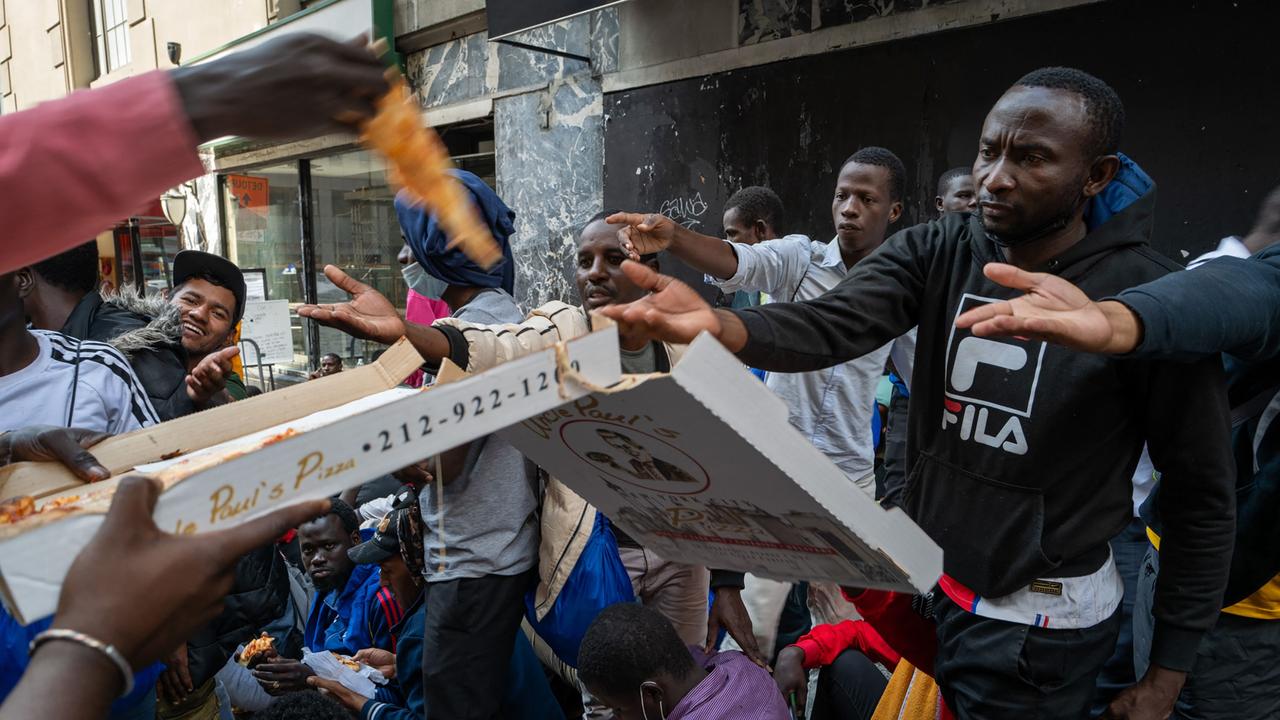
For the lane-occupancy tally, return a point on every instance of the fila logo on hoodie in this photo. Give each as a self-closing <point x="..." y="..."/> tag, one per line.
<point x="990" y="385"/>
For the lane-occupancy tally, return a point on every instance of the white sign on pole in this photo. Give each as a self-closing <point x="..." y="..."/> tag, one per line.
<point x="267" y="324"/>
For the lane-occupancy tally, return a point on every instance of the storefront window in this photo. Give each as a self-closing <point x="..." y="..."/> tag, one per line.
<point x="158" y="241"/>
<point x="264" y="239"/>
<point x="352" y="224"/>
<point x="355" y="228"/>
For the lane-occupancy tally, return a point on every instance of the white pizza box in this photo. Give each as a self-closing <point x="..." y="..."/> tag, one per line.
<point x="702" y="466"/>
<point x="315" y="455"/>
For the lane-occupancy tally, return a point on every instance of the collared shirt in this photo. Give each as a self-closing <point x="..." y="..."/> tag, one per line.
<point x="1230" y="246"/>
<point x="832" y="408"/>
<point x="734" y="688"/>
<point x="359" y="616"/>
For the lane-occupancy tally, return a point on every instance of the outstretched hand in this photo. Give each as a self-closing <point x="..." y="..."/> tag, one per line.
<point x="1053" y="310"/>
<point x="672" y="312"/>
<point x="209" y="376"/>
<point x="368" y="315"/>
<point x="645" y="232"/>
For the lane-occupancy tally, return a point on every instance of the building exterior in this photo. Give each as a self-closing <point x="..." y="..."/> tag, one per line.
<point x="670" y="105"/>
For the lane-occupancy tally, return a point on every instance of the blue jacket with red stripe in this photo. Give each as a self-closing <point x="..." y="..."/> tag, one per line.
<point x="360" y="616"/>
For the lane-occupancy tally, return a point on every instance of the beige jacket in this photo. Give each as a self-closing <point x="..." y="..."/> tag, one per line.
<point x="566" y="518"/>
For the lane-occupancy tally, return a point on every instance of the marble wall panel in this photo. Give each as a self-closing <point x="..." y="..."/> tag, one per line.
<point x="553" y="177"/>
<point x="520" y="67"/>
<point x="450" y="72"/>
<point x="842" y="12"/>
<point x="762" y="20"/>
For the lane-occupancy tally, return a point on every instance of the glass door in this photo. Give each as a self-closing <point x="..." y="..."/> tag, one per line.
<point x="263" y="238"/>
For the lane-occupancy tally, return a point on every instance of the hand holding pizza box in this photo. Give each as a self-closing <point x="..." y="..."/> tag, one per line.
<point x="242" y="460"/>
<point x="701" y="465"/>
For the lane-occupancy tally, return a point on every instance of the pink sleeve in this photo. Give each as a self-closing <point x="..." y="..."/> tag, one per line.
<point x="71" y="168"/>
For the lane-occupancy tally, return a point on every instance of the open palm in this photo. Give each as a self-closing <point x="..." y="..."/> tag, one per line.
<point x="646" y="233"/>
<point x="1052" y="309"/>
<point x="672" y="312"/>
<point x="368" y="315"/>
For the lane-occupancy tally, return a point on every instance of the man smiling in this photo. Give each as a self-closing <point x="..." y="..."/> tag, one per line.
<point x="209" y="292"/>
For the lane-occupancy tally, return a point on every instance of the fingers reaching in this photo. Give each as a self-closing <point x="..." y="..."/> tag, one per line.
<point x="983" y="313"/>
<point x="645" y="276"/>
<point x="69" y="449"/>
<point x="231" y="543"/>
<point x="624" y="218"/>
<point x="1011" y="276"/>
<point x="713" y="634"/>
<point x="131" y="507"/>
<point x="344" y="281"/>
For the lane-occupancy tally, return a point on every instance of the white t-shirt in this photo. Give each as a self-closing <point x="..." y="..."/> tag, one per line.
<point x="74" y="383"/>
<point x="832" y="408"/>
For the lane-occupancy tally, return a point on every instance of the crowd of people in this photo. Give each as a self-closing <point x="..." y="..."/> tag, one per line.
<point x="1083" y="427"/>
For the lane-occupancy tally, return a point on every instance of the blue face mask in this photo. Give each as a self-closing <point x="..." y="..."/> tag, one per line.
<point x="423" y="282"/>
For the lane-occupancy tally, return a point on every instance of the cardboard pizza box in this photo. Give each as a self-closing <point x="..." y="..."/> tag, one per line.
<point x="277" y="449"/>
<point x="702" y="466"/>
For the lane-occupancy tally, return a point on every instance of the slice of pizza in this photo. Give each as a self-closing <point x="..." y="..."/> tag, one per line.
<point x="420" y="163"/>
<point x="16" y="508"/>
<point x="257" y="650"/>
<point x="348" y="661"/>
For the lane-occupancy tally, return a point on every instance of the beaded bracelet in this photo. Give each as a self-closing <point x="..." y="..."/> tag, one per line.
<point x="110" y="651"/>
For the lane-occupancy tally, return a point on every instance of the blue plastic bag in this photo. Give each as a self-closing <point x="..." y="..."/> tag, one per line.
<point x="598" y="580"/>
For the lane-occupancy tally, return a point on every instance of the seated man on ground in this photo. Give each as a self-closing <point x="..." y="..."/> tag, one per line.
<point x="632" y="661"/>
<point x="397" y="549"/>
<point x="350" y="610"/>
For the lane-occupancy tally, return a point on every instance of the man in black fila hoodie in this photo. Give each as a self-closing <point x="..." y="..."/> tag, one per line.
<point x="1020" y="453"/>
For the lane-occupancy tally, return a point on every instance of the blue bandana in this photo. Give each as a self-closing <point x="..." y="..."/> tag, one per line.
<point x="427" y="239"/>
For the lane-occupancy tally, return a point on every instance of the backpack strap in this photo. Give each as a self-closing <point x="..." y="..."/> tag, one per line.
<point x="1253" y="407"/>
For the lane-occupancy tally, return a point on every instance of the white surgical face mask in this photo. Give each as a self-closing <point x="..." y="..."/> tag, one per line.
<point x="423" y="282"/>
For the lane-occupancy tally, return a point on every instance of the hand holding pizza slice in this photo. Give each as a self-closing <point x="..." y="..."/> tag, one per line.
<point x="420" y="163"/>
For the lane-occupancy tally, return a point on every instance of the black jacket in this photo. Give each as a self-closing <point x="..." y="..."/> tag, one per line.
<point x="259" y="596"/>
<point x="1232" y="306"/>
<point x="1020" y="454"/>
<point x="149" y="334"/>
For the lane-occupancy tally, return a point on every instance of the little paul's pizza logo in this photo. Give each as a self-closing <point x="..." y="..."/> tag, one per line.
<point x="990" y="385"/>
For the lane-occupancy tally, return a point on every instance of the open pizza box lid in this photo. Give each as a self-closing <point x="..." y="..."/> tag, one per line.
<point x="702" y="466"/>
<point x="231" y="464"/>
